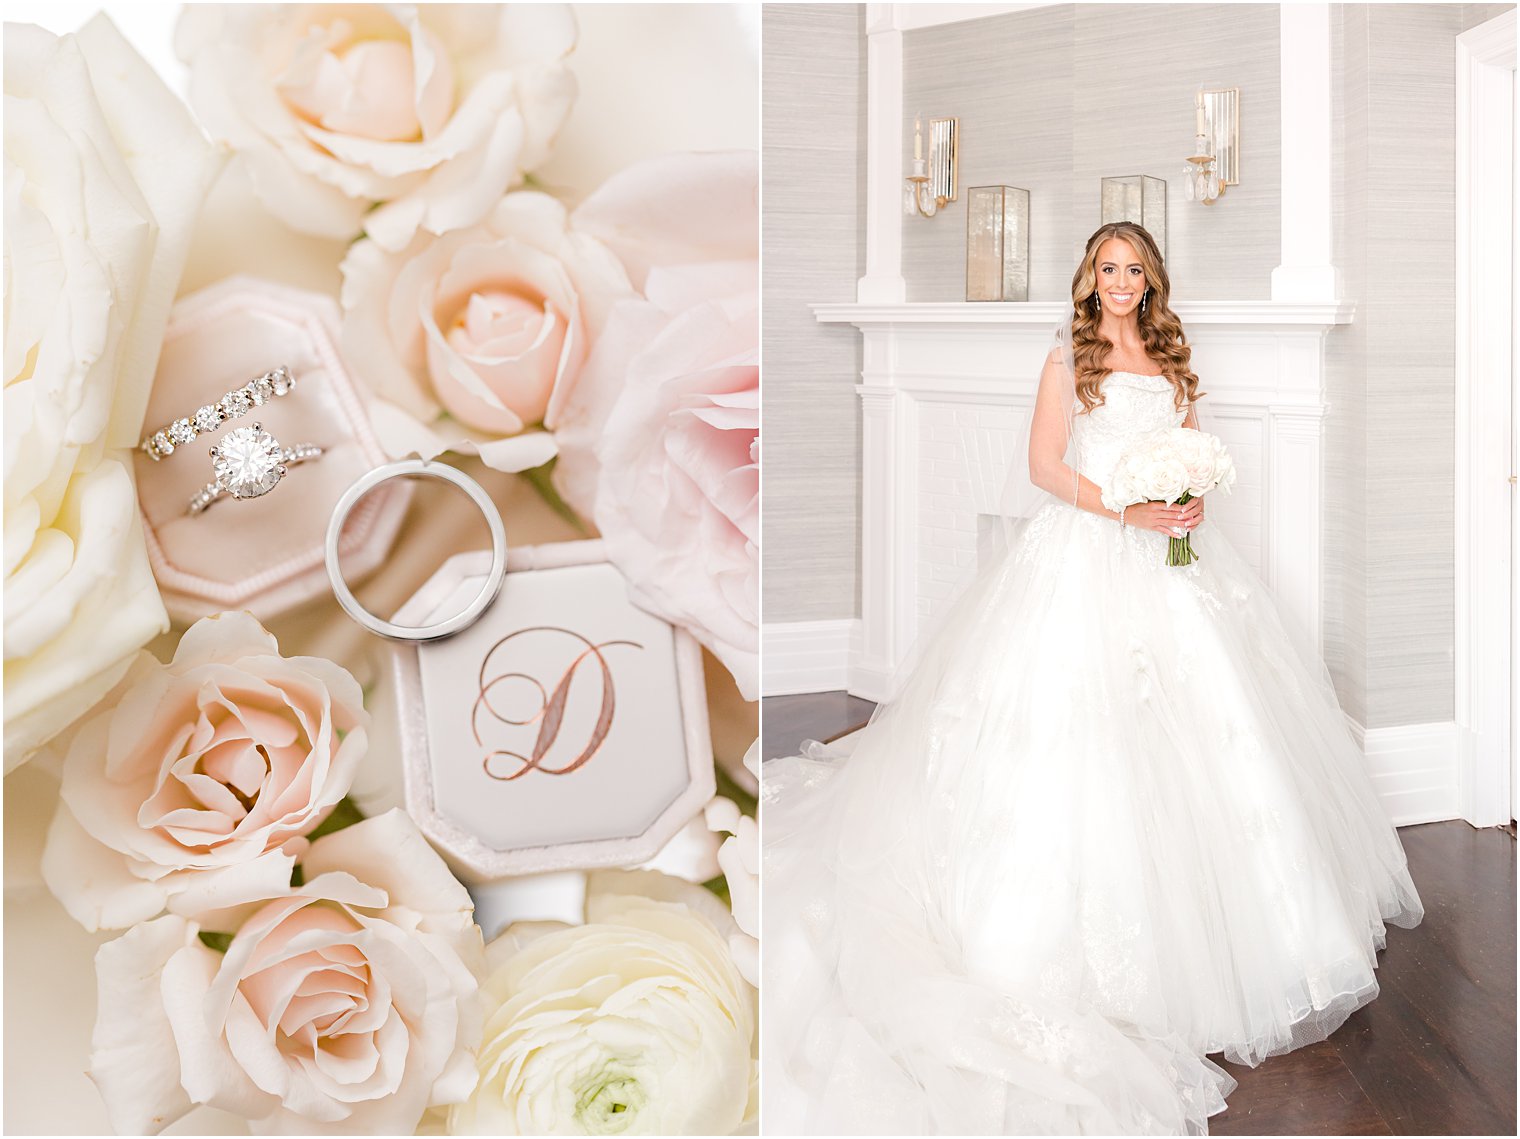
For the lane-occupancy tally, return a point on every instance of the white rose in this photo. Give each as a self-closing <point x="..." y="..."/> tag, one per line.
<point x="637" y="1022"/>
<point x="739" y="859"/>
<point x="347" y="1004"/>
<point x="433" y="110"/>
<point x="202" y="775"/>
<point x="1166" y="479"/>
<point x="1224" y="472"/>
<point x="1126" y="486"/>
<point x="104" y="174"/>
<point x="471" y="338"/>
<point x="1194" y="450"/>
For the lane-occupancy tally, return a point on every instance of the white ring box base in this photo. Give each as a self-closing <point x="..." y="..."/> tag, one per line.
<point x="565" y="730"/>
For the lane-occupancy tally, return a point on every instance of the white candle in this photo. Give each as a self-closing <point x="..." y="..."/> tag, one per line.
<point x="1198" y="112"/>
<point x="918" y="137"/>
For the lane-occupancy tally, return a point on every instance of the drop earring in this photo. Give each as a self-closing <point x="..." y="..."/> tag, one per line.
<point x="1143" y="301"/>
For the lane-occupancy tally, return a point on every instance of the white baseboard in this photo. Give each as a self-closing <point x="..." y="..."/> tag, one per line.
<point x="1414" y="770"/>
<point x="807" y="656"/>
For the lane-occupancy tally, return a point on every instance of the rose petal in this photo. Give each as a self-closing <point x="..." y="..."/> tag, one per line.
<point x="134" y="1059"/>
<point x="93" y="882"/>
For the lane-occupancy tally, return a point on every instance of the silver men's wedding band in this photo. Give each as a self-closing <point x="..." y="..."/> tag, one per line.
<point x="488" y="590"/>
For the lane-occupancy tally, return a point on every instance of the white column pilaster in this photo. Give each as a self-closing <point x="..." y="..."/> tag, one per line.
<point x="882" y="517"/>
<point x="1307" y="271"/>
<point x="883" y="282"/>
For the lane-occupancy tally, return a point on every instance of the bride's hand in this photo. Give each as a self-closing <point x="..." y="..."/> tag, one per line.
<point x="1164" y="517"/>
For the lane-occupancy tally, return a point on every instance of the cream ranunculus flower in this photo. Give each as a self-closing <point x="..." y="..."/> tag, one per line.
<point x="347" y="1004"/>
<point x="472" y="338"/>
<point x="201" y="776"/>
<point x="434" y="110"/>
<point x="637" y="1022"/>
<point x="104" y="174"/>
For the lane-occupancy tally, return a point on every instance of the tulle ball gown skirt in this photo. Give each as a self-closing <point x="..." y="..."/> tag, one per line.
<point x="1112" y="822"/>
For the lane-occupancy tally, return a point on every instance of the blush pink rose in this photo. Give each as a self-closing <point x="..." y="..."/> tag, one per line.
<point x="475" y="339"/>
<point x="430" y="111"/>
<point x="347" y="1004"/>
<point x="201" y="776"/>
<point x="659" y="442"/>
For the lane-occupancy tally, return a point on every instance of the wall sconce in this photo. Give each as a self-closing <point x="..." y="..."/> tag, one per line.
<point x="932" y="184"/>
<point x="1138" y="198"/>
<point x="1215" y="161"/>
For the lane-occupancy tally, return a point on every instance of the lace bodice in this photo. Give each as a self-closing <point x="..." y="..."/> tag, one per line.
<point x="1134" y="406"/>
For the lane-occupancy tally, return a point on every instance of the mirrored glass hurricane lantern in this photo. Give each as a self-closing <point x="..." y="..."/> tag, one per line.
<point x="997" y="243"/>
<point x="1138" y="198"/>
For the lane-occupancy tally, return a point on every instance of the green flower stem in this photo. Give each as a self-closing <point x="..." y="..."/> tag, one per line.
<point x="1179" y="551"/>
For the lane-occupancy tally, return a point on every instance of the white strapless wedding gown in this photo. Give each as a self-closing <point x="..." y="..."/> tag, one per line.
<point x="1114" y="821"/>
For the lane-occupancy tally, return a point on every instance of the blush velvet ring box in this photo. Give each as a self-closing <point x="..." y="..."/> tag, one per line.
<point x="564" y="730"/>
<point x="263" y="554"/>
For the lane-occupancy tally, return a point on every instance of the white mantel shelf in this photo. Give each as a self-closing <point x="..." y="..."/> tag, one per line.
<point x="1258" y="314"/>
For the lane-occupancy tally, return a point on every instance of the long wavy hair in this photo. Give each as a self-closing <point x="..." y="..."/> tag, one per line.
<point x="1159" y="327"/>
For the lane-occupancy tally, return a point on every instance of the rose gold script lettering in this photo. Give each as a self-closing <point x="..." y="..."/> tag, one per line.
<point x="550" y="713"/>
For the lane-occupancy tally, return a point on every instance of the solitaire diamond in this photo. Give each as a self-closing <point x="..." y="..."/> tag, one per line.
<point x="248" y="462"/>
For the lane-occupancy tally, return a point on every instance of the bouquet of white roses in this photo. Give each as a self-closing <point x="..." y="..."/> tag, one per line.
<point x="1175" y="465"/>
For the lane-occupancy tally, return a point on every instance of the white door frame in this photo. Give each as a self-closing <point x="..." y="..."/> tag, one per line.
<point x="1485" y="83"/>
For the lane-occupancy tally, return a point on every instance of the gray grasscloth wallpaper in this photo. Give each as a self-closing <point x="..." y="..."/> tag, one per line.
<point x="1389" y="466"/>
<point x="1054" y="99"/>
<point x="1344" y="536"/>
<point x="813" y="178"/>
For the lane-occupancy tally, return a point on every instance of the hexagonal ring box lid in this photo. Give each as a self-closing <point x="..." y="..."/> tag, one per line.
<point x="566" y="729"/>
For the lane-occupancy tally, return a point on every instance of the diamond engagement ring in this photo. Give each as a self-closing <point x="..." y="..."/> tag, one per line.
<point x="236" y="403"/>
<point x="249" y="462"/>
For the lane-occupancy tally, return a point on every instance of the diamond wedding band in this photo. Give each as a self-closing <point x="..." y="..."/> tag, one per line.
<point x="248" y="462"/>
<point x="236" y="403"/>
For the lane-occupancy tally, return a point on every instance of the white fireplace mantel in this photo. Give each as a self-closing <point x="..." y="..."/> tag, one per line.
<point x="945" y="387"/>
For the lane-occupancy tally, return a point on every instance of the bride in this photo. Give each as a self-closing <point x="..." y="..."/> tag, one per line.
<point x="1112" y="820"/>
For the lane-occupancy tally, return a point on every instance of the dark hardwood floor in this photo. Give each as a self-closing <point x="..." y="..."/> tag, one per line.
<point x="785" y="721"/>
<point x="1434" y="1054"/>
